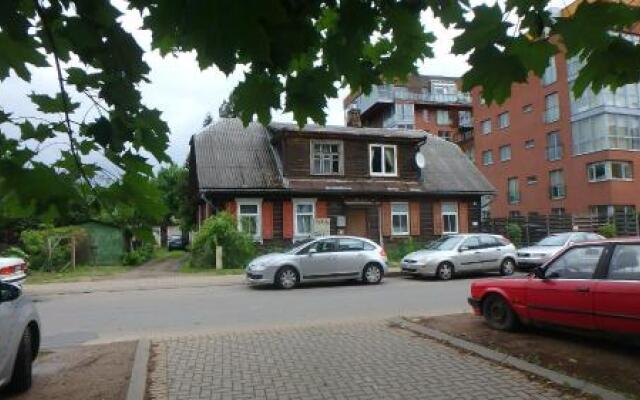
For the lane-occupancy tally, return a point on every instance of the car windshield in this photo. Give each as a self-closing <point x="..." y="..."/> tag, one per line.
<point x="444" y="243"/>
<point x="555" y="240"/>
<point x="297" y="246"/>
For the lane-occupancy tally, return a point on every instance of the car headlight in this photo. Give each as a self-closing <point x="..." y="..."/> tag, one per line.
<point x="257" y="267"/>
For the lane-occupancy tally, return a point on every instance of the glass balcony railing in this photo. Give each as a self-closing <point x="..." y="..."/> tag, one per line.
<point x="390" y="93"/>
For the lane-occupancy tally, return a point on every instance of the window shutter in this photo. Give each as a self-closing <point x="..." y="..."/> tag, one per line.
<point x="231" y="207"/>
<point x="287" y="219"/>
<point x="267" y="220"/>
<point x="437" y="218"/>
<point x="386" y="218"/>
<point x="321" y="209"/>
<point x="463" y="217"/>
<point x="414" y="215"/>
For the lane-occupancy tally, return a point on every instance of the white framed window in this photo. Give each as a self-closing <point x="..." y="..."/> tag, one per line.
<point x="449" y="217"/>
<point x="326" y="157"/>
<point x="610" y="170"/>
<point x="551" y="108"/>
<point x="532" y="180"/>
<point x="550" y="73"/>
<point x="527" y="108"/>
<point x="304" y="214"/>
<point x="557" y="188"/>
<point x="399" y="219"/>
<point x="513" y="191"/>
<point x="554" y="146"/>
<point x="505" y="153"/>
<point x="487" y="157"/>
<point x="383" y="160"/>
<point x="250" y="217"/>
<point x="442" y="117"/>
<point x="503" y="120"/>
<point x="486" y="126"/>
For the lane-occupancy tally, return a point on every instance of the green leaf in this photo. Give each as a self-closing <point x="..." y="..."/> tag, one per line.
<point x="52" y="105"/>
<point x="257" y="95"/>
<point x="487" y="27"/>
<point x="40" y="132"/>
<point x="307" y="95"/>
<point x="533" y="54"/>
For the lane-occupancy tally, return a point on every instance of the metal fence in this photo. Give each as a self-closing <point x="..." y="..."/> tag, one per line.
<point x="536" y="227"/>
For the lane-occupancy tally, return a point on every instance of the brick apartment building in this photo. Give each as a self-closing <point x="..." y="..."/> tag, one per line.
<point x="431" y="103"/>
<point x="547" y="152"/>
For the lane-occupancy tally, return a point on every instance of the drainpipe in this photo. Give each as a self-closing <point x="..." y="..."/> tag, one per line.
<point x="380" y="224"/>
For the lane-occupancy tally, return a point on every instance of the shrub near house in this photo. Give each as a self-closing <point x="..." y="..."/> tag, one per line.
<point x="221" y="230"/>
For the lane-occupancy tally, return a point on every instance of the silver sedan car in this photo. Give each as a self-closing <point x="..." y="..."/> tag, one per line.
<point x="452" y="254"/>
<point x="541" y="252"/>
<point x="19" y="337"/>
<point x="13" y="270"/>
<point x="324" y="259"/>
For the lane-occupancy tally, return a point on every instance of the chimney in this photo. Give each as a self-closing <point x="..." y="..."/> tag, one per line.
<point x="353" y="118"/>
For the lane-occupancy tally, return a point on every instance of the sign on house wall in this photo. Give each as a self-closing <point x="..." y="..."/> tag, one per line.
<point x="322" y="227"/>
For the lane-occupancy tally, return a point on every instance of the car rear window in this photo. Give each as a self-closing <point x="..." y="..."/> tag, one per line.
<point x="350" y="245"/>
<point x="625" y="263"/>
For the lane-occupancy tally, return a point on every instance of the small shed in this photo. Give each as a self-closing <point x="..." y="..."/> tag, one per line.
<point x="107" y="243"/>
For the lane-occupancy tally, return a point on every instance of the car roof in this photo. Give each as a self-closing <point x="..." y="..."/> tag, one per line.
<point x="344" y="237"/>
<point x="611" y="241"/>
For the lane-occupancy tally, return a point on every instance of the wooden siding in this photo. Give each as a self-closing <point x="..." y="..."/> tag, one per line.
<point x="287" y="219"/>
<point x="231" y="207"/>
<point x="335" y="208"/>
<point x="321" y="209"/>
<point x="373" y="224"/>
<point x="277" y="220"/>
<point x="414" y="217"/>
<point x="437" y="218"/>
<point x="267" y="220"/>
<point x="297" y="162"/>
<point x="426" y="220"/>
<point x="463" y="217"/>
<point x="386" y="218"/>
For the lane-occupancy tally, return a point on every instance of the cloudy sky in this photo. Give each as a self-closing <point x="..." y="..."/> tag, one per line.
<point x="185" y="94"/>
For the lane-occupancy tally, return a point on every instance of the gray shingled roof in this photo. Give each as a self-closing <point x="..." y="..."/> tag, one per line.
<point x="449" y="170"/>
<point x="230" y="156"/>
<point x="411" y="134"/>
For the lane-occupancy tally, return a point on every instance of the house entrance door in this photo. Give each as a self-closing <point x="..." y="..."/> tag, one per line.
<point x="356" y="222"/>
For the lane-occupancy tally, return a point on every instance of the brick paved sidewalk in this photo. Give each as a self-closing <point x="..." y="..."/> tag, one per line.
<point x="341" y="361"/>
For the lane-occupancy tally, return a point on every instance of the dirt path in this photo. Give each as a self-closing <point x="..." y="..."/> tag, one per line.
<point x="154" y="269"/>
<point x="98" y="372"/>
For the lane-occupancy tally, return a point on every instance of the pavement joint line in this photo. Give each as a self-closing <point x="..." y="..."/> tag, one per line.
<point x="514" y="362"/>
<point x="138" y="380"/>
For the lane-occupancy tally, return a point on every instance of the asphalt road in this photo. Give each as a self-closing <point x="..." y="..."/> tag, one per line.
<point x="101" y="317"/>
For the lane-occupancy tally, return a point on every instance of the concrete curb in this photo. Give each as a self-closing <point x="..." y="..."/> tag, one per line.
<point x="517" y="363"/>
<point x="138" y="380"/>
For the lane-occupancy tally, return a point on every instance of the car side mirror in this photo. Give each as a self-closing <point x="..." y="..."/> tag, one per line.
<point x="539" y="273"/>
<point x="9" y="292"/>
<point x="312" y="251"/>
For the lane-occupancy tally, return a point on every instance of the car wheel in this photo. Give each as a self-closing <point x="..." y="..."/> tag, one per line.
<point x="507" y="267"/>
<point x="372" y="274"/>
<point x="21" y="377"/>
<point x="287" y="278"/>
<point x="445" y="271"/>
<point x="499" y="314"/>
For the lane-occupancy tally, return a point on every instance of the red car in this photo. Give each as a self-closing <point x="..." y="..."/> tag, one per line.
<point x="593" y="286"/>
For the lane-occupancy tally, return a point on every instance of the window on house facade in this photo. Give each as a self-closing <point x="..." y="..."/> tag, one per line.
<point x="554" y="147"/>
<point x="486" y="126"/>
<point x="487" y="157"/>
<point x="532" y="180"/>
<point x="551" y="108"/>
<point x="505" y="153"/>
<point x="404" y="113"/>
<point x="249" y="220"/>
<point x="442" y="117"/>
<point x="304" y="215"/>
<point x="557" y="188"/>
<point x="446" y="135"/>
<point x="465" y="118"/>
<point x="449" y="217"/>
<point x="527" y="108"/>
<point x="513" y="191"/>
<point x="326" y="158"/>
<point x="610" y="170"/>
<point x="503" y="120"/>
<point x="550" y="73"/>
<point x="399" y="218"/>
<point x="383" y="160"/>
<point x="529" y="144"/>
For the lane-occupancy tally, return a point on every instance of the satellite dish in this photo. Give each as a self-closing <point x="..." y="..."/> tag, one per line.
<point x="420" y="161"/>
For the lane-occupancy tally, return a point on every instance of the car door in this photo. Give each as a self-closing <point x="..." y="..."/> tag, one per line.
<point x="564" y="296"/>
<point x="8" y="322"/>
<point x="320" y="263"/>
<point x="351" y="257"/>
<point x="469" y="257"/>
<point x="491" y="252"/>
<point x="617" y="297"/>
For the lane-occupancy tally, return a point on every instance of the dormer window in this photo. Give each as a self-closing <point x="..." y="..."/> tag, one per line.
<point x="383" y="160"/>
<point x="326" y="157"/>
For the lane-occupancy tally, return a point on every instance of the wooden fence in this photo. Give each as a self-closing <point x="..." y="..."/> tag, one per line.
<point x="536" y="227"/>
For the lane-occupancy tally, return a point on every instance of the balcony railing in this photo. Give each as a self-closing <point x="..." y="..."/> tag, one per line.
<point x="465" y="121"/>
<point x="390" y="93"/>
<point x="557" y="192"/>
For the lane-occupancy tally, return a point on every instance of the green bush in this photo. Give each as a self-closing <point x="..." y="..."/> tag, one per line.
<point x="609" y="230"/>
<point x="221" y="230"/>
<point x="49" y="249"/>
<point x="15" y="252"/>
<point x="140" y="255"/>
<point x="397" y="250"/>
<point x="514" y="233"/>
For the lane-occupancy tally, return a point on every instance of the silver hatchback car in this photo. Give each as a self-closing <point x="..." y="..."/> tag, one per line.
<point x="451" y="254"/>
<point x="324" y="259"/>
